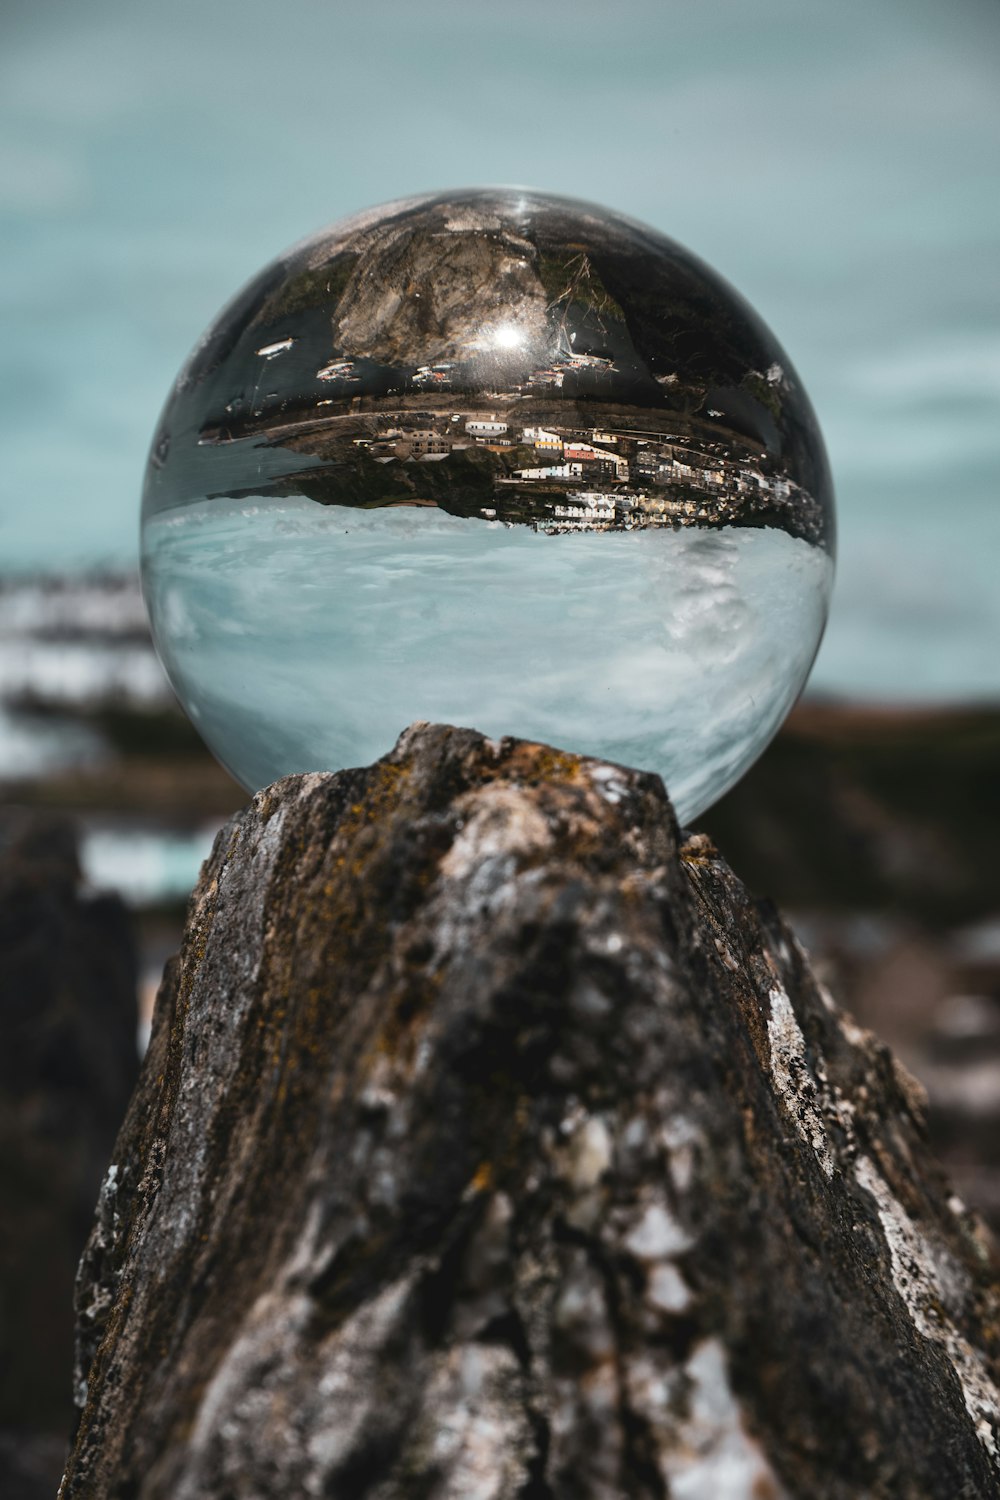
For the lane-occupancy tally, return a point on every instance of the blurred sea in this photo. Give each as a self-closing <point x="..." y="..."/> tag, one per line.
<point x="837" y="163"/>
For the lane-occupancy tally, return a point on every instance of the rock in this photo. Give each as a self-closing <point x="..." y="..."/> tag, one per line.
<point x="492" y="1143"/>
<point x="880" y="810"/>
<point x="67" y="1067"/>
<point x="416" y="295"/>
<point x="875" y="829"/>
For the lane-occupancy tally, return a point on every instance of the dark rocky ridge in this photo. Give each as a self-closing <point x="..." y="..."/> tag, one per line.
<point x="493" y="1143"/>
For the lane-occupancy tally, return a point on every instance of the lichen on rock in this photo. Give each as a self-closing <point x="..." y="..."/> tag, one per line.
<point x="493" y="1144"/>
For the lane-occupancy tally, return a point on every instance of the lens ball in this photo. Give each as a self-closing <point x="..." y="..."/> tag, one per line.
<point x="498" y="459"/>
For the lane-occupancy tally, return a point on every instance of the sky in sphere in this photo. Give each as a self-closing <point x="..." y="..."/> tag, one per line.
<point x="838" y="164"/>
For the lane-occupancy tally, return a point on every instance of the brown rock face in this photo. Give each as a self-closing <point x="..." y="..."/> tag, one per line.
<point x="414" y="297"/>
<point x="492" y="1145"/>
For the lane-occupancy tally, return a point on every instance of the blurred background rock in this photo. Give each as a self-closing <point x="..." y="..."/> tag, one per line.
<point x="67" y="1064"/>
<point x="837" y="164"/>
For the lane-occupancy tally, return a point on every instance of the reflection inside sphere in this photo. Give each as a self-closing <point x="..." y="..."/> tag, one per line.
<point x="495" y="459"/>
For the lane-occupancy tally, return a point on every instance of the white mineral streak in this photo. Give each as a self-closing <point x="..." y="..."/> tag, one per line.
<point x="829" y="1002"/>
<point x="717" y="1459"/>
<point x="271" y="1329"/>
<point x="705" y="1452"/>
<point x="589" y="1154"/>
<point x="680" y="1140"/>
<point x="237" y="1409"/>
<point x="609" y="782"/>
<point x="582" y="1162"/>
<point x="929" y="1280"/>
<point x="503" y="825"/>
<point x="591" y="1403"/>
<point x="657" y="1235"/>
<point x="481" y="1444"/>
<point x="380" y="1091"/>
<point x="654" y="1238"/>
<point x="354" y="1362"/>
<point x="306" y="1259"/>
<point x="727" y="955"/>
<point x="99" y="1294"/>
<point x="666" y="1290"/>
<point x="794" y="1079"/>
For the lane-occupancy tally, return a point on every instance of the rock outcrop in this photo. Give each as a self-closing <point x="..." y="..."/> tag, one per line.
<point x="492" y="1144"/>
<point x="68" y="1063"/>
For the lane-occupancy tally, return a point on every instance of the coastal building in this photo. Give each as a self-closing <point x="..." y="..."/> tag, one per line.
<point x="542" y="440"/>
<point x="550" y="471"/>
<point x="598" y="459"/>
<point x="596" y="502"/>
<point x="435" y="377"/>
<point x="422" y="442"/>
<point x="585" y="510"/>
<point x="546" y="378"/>
<point x="645" y="462"/>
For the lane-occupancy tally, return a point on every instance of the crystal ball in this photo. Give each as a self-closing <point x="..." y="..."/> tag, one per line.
<point x="499" y="459"/>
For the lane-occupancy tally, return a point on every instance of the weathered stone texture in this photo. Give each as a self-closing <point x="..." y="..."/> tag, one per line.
<point x="492" y="1143"/>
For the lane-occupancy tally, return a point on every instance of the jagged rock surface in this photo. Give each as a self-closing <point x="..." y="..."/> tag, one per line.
<point x="492" y="1143"/>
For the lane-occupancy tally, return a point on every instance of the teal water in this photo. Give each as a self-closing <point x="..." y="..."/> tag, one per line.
<point x="306" y="637"/>
<point x="837" y="163"/>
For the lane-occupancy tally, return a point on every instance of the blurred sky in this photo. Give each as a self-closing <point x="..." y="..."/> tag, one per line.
<point x="837" y="162"/>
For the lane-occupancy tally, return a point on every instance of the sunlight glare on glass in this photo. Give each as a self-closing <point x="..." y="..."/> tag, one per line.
<point x="507" y="336"/>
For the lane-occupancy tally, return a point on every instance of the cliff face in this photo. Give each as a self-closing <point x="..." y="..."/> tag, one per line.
<point x="491" y="1143"/>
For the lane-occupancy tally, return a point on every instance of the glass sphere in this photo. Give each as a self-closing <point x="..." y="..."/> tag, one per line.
<point x="497" y="459"/>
